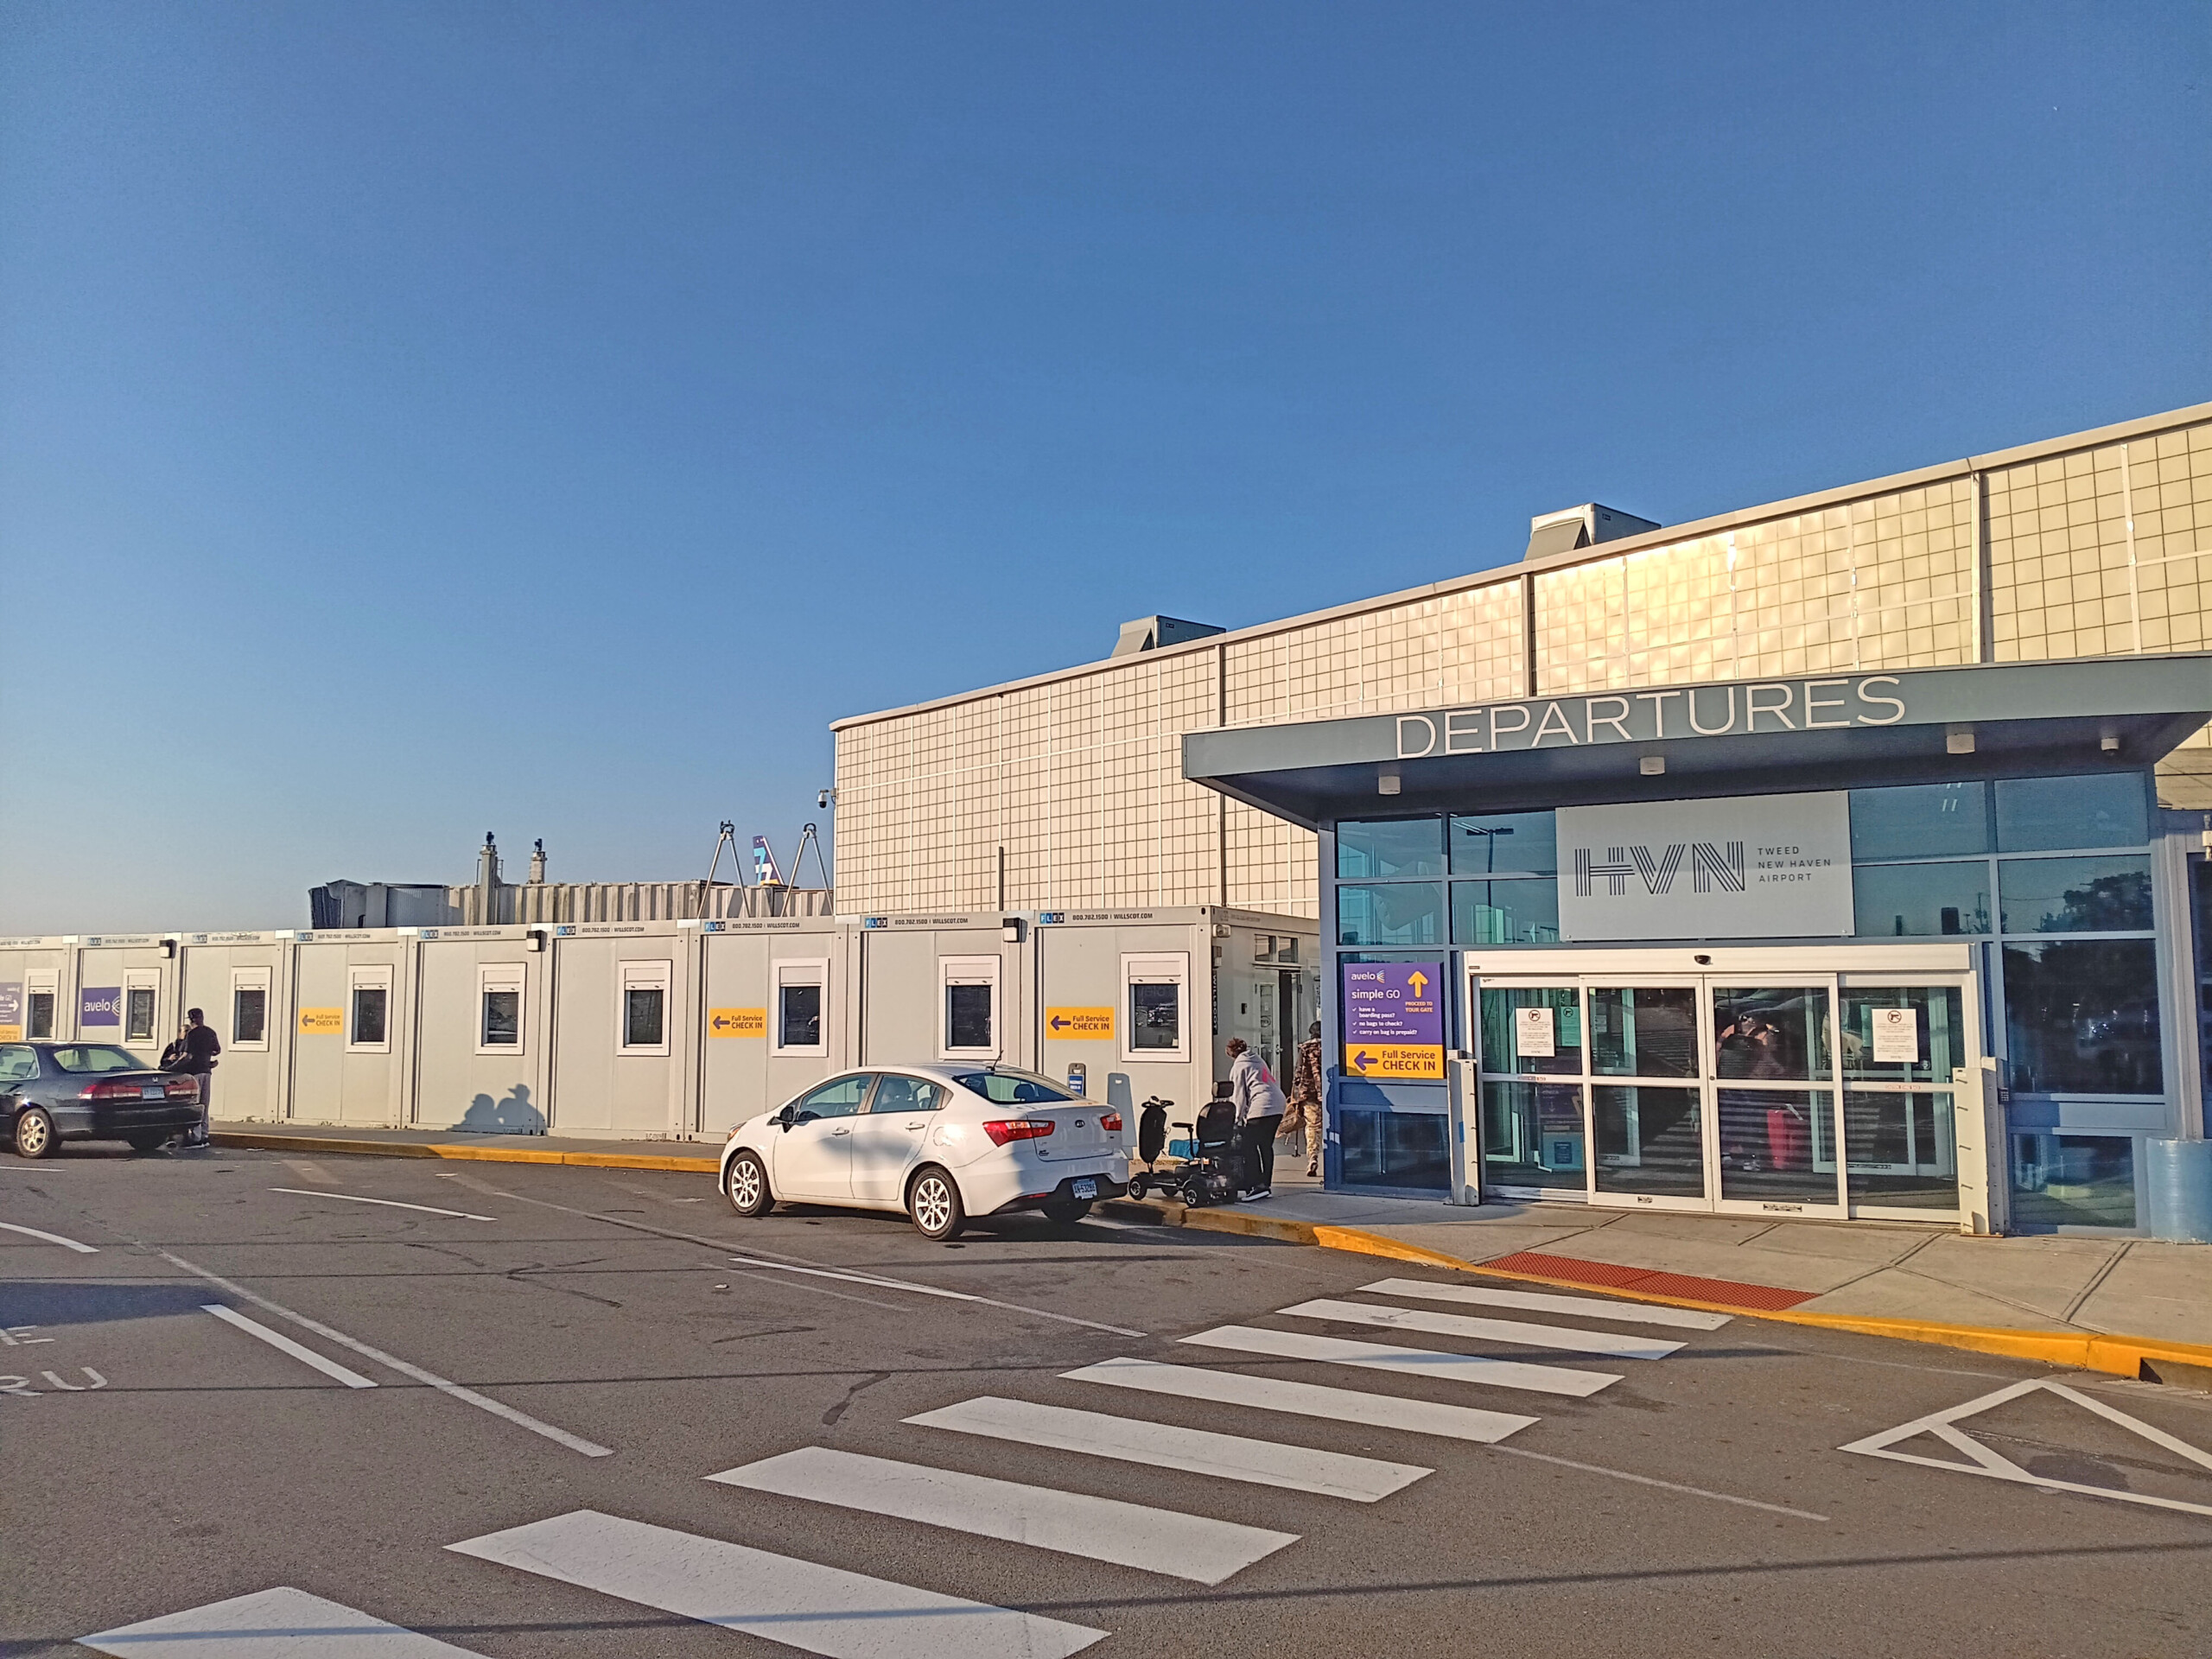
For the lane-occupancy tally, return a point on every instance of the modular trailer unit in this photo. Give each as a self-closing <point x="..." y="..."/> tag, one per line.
<point x="676" y="1030"/>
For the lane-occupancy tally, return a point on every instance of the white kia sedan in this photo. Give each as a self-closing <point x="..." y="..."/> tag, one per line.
<point x="940" y="1144"/>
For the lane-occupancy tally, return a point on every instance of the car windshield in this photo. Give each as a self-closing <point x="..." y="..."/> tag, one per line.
<point x="97" y="1057"/>
<point x="1003" y="1085"/>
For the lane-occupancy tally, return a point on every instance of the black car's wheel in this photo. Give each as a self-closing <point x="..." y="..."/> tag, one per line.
<point x="35" y="1135"/>
<point x="933" y="1202"/>
<point x="1066" y="1210"/>
<point x="152" y="1141"/>
<point x="746" y="1185"/>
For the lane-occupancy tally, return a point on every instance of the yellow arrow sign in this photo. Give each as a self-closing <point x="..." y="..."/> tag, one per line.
<point x="1417" y="982"/>
<point x="1080" y="1025"/>
<point x="321" y="1022"/>
<point x="737" y="1023"/>
<point x="1408" y="1061"/>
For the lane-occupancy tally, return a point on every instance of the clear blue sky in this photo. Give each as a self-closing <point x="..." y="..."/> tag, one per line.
<point x="419" y="419"/>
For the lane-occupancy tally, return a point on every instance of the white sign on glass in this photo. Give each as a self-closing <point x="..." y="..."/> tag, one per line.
<point x="1751" y="867"/>
<point x="1534" y="1034"/>
<point x="1897" y="1036"/>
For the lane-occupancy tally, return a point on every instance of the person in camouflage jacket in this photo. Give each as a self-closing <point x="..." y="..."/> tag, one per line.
<point x="1303" y="1109"/>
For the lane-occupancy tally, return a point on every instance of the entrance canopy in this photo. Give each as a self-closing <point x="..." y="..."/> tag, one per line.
<point x="1724" y="737"/>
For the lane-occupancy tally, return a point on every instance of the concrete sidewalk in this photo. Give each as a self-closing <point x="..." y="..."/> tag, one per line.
<point x="1898" y="1270"/>
<point x="2137" y="1307"/>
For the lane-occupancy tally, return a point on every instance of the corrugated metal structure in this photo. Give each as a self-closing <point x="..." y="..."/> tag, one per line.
<point x="631" y="901"/>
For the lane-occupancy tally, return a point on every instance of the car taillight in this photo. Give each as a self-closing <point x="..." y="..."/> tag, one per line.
<point x="1111" y="1123"/>
<point x="181" y="1088"/>
<point x="109" y="1091"/>
<point x="1018" y="1128"/>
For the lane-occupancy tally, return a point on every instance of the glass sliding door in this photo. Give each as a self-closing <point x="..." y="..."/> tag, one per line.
<point x="1648" y="1111"/>
<point x="1533" y="1130"/>
<point x="1903" y="1047"/>
<point x="1774" y="1096"/>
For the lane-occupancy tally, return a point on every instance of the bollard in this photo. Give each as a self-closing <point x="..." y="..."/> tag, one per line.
<point x="2180" y="1188"/>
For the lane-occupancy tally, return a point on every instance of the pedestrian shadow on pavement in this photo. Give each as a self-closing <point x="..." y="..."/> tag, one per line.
<point x="513" y="1115"/>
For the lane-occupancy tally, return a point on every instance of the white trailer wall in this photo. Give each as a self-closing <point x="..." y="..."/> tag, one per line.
<point x="1144" y="1000"/>
<point x="625" y="1008"/>
<point x="945" y="989"/>
<point x="126" y="991"/>
<point x="352" y="1022"/>
<point x="483" y="1053"/>
<point x="241" y="983"/>
<point x="37" y="988"/>
<point x="770" y="986"/>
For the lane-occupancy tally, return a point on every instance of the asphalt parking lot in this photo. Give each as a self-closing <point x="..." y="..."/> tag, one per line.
<point x="521" y="1410"/>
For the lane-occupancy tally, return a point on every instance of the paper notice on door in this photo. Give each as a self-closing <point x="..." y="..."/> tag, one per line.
<point x="1897" y="1036"/>
<point x="1533" y="1038"/>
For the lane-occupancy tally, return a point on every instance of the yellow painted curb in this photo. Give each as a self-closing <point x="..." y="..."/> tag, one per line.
<point x="467" y="1152"/>
<point x="2119" y="1356"/>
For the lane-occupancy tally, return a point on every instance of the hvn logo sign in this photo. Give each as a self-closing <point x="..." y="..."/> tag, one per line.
<point x="1712" y="867"/>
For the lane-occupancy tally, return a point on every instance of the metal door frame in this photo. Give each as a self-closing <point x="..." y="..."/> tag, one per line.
<point x="1835" y="970"/>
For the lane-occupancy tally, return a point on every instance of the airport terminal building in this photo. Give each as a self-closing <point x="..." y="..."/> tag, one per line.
<point x="1843" y="856"/>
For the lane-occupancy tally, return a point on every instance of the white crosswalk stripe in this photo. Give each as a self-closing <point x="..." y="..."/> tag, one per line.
<point x="280" y="1623"/>
<point x="1306" y="1399"/>
<point x="1680" y="1318"/>
<point x="803" y="1605"/>
<point x="1406" y="1362"/>
<point x="1559" y="1337"/>
<point x="1226" y="1456"/>
<point x="1097" y="1529"/>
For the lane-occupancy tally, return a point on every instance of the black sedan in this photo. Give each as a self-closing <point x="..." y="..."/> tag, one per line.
<point x="51" y="1092"/>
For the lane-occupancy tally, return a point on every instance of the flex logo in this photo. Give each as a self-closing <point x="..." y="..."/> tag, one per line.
<point x="1712" y="867"/>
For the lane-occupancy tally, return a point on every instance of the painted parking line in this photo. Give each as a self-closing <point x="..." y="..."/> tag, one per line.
<point x="280" y="1624"/>
<point x="1406" y="1362"/>
<point x="801" y="1603"/>
<point x="389" y="1203"/>
<point x="50" y="1238"/>
<point x="878" y="1282"/>
<point x="1306" y="1399"/>
<point x="1680" y="1318"/>
<point x="1140" y="1535"/>
<point x="1986" y="1461"/>
<point x="284" y="1344"/>
<point x="1224" y="1457"/>
<point x="451" y="1389"/>
<point x="1557" y="1337"/>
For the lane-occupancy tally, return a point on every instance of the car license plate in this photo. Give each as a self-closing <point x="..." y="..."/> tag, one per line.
<point x="1084" y="1190"/>
<point x="152" y="1092"/>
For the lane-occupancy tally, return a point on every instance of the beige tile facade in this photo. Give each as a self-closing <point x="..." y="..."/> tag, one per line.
<point x="2093" y="545"/>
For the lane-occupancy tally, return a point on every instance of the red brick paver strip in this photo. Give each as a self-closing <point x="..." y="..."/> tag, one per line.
<point x="1649" y="1280"/>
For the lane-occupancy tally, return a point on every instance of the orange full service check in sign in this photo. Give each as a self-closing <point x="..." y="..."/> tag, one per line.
<point x="737" y="1023"/>
<point x="1080" y="1025"/>
<point x="321" y="1022"/>
<point x="1394" y="1019"/>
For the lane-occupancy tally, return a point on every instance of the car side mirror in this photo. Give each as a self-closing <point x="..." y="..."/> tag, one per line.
<point x="784" y="1118"/>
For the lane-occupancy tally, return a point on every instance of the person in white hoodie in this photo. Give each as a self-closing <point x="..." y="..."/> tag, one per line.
<point x="1258" y="1098"/>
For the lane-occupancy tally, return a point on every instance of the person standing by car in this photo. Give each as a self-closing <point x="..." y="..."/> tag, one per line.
<point x="1259" y="1110"/>
<point x="1303" y="1112"/>
<point x="200" y="1048"/>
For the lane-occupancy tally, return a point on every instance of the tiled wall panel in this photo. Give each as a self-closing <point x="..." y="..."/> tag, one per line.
<point x="2105" y="551"/>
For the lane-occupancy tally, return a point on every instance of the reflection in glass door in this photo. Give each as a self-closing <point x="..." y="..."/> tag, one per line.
<point x="1646" y="1099"/>
<point x="1774" y="1095"/>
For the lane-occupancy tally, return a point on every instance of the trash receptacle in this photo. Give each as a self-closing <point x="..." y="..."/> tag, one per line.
<point x="2180" y="1189"/>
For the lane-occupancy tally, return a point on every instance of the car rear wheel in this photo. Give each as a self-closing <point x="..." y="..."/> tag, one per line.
<point x="746" y="1186"/>
<point x="34" y="1134"/>
<point x="933" y="1203"/>
<point x="1066" y="1210"/>
<point x="149" y="1142"/>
